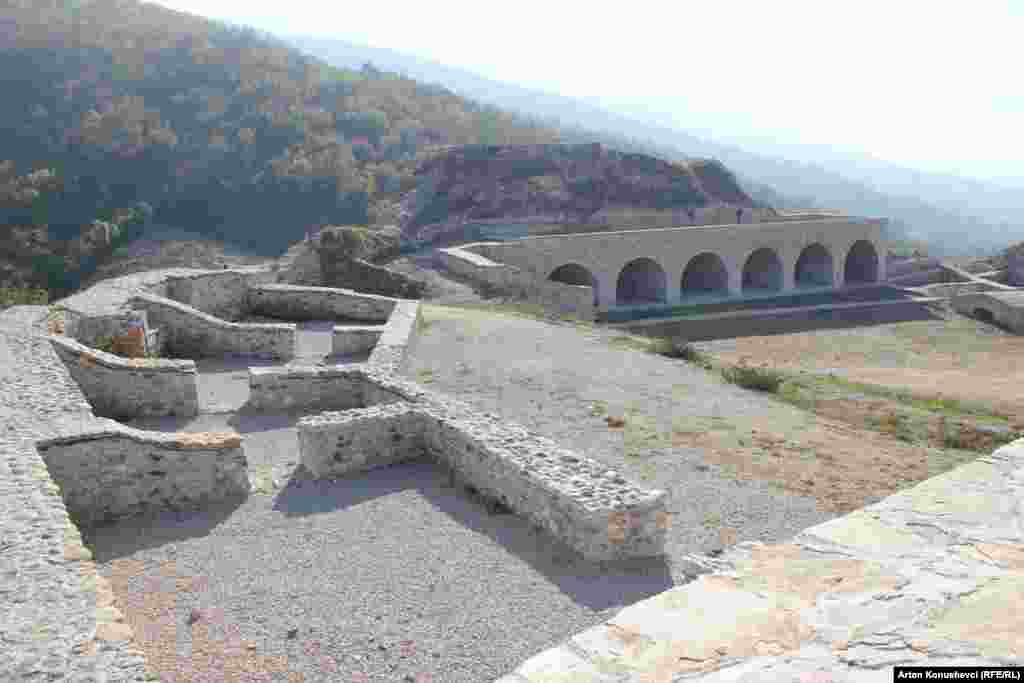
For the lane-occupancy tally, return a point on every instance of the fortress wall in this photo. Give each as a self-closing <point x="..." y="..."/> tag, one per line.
<point x="127" y="388"/>
<point x="293" y="302"/>
<point x="115" y="472"/>
<point x="187" y="331"/>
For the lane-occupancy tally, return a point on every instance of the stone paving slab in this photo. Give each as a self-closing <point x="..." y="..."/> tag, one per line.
<point x="933" y="575"/>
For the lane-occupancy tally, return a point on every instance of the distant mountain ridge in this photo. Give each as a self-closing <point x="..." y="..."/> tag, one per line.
<point x="779" y="181"/>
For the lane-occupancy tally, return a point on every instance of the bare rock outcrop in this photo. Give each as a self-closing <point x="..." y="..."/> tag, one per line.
<point x="561" y="184"/>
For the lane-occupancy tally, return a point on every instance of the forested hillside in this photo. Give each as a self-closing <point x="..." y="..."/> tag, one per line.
<point x="220" y="129"/>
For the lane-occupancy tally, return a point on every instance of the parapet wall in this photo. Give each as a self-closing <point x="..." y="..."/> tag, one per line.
<point x="292" y="302"/>
<point x="187" y="331"/>
<point x="116" y="471"/>
<point x="556" y="297"/>
<point x="127" y="388"/>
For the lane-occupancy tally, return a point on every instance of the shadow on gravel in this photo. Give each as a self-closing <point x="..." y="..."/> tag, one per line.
<point x="594" y="585"/>
<point x="126" y="537"/>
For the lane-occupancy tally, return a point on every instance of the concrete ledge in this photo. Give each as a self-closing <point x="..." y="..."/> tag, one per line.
<point x="190" y="332"/>
<point x="126" y="388"/>
<point x="294" y="302"/>
<point x="350" y="339"/>
<point x="556" y="297"/>
<point x="106" y="473"/>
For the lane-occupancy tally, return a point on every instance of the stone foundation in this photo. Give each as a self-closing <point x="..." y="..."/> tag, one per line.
<point x="585" y="504"/>
<point x="292" y="302"/>
<point x="189" y="332"/>
<point x="126" y="388"/>
<point x="115" y="471"/>
<point x="336" y="444"/>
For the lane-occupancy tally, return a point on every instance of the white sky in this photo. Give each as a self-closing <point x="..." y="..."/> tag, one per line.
<point x="932" y="85"/>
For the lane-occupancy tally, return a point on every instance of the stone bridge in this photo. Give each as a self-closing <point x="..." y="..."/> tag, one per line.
<point x="704" y="263"/>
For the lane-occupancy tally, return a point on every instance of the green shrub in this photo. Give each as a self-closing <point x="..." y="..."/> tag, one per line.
<point x="750" y="377"/>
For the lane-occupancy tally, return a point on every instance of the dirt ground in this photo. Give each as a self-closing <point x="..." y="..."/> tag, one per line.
<point x="565" y="381"/>
<point x="955" y="358"/>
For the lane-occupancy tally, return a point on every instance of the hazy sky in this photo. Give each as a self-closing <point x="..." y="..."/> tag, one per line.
<point x="932" y="85"/>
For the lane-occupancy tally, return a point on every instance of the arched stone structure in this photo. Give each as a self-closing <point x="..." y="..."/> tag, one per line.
<point x="641" y="281"/>
<point x="814" y="267"/>
<point x="706" y="273"/>
<point x="575" y="274"/>
<point x="861" y="265"/>
<point x="763" y="270"/>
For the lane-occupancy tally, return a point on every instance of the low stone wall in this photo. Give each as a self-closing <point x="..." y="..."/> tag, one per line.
<point x="115" y="471"/>
<point x="221" y="294"/>
<point x="591" y="508"/>
<point x="305" y="388"/>
<point x="558" y="298"/>
<point x="186" y="331"/>
<point x="292" y="302"/>
<point x="580" y="501"/>
<point x="348" y="340"/>
<point x="397" y="338"/>
<point x="336" y="444"/>
<point x="373" y="278"/>
<point x="126" y="388"/>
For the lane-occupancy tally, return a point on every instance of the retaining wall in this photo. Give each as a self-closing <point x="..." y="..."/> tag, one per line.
<point x="116" y="471"/>
<point x="558" y="298"/>
<point x="306" y="388"/>
<point x="126" y="388"/>
<point x="186" y="331"/>
<point x="293" y="302"/>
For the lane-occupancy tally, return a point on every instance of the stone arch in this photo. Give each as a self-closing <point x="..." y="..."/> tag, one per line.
<point x="705" y="274"/>
<point x="575" y="274"/>
<point x="763" y="270"/>
<point x="861" y="263"/>
<point x="641" y="281"/>
<point x="813" y="267"/>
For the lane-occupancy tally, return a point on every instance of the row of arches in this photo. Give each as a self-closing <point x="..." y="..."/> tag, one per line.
<point x="643" y="280"/>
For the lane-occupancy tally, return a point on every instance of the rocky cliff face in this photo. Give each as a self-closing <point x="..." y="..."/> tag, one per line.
<point x="566" y="184"/>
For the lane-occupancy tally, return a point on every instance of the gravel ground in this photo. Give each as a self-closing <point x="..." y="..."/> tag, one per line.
<point x="392" y="575"/>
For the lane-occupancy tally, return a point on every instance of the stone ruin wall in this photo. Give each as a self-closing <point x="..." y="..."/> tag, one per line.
<point x="119" y="472"/>
<point x="125" y="388"/>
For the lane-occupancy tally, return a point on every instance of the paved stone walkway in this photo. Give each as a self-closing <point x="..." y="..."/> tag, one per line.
<point x="932" y="576"/>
